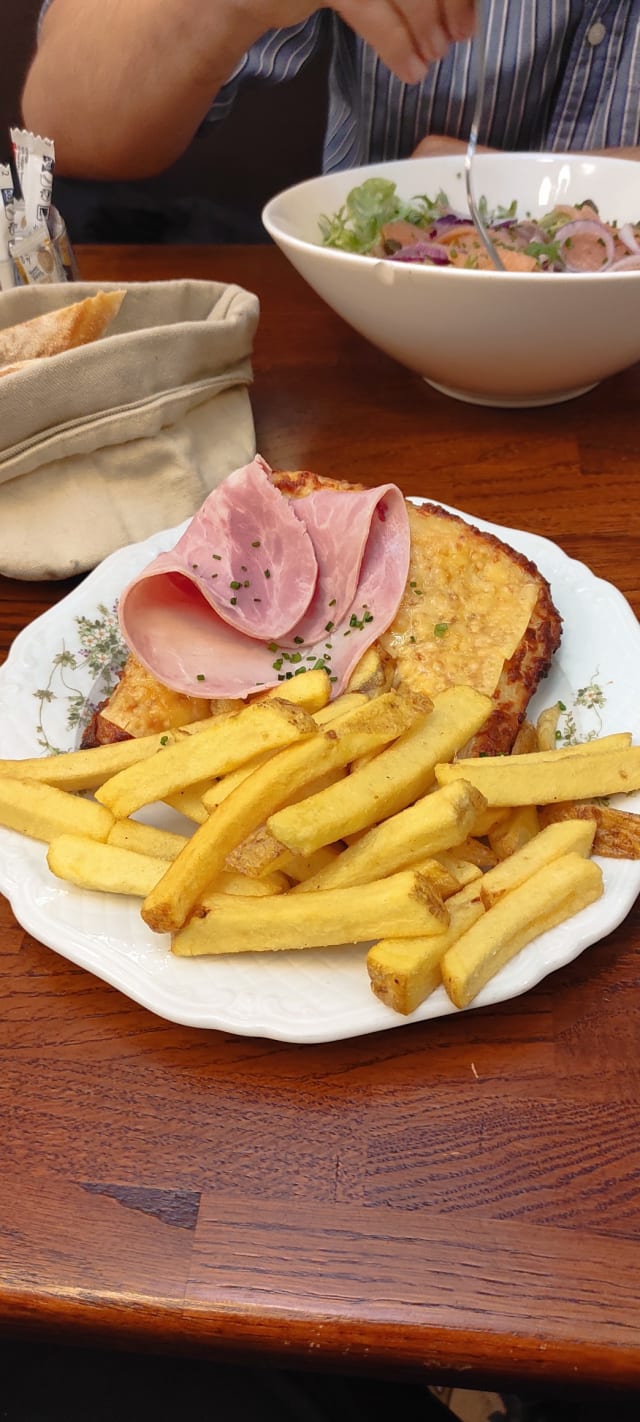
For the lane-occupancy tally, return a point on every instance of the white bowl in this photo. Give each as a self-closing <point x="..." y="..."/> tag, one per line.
<point x="493" y="338"/>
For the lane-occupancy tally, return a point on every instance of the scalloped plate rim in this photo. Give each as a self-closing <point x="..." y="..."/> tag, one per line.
<point x="554" y="950"/>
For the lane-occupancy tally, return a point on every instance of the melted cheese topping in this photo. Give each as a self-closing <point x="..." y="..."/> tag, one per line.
<point x="464" y="611"/>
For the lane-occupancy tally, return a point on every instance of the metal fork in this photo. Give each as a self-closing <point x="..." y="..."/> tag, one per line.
<point x="482" y="39"/>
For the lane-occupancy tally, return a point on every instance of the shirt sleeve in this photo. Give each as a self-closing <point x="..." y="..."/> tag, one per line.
<point x="279" y="55"/>
<point x="43" y="10"/>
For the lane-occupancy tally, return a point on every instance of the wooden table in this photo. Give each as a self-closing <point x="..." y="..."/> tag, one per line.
<point x="456" y="1199"/>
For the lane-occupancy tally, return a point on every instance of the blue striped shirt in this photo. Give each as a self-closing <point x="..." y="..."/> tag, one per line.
<point x="561" y="75"/>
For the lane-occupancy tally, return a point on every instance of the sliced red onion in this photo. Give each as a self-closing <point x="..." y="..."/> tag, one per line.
<point x="530" y="232"/>
<point x="423" y="252"/>
<point x="628" y="236"/>
<point x="585" y="227"/>
<point x="448" y="222"/>
<point x="627" y="264"/>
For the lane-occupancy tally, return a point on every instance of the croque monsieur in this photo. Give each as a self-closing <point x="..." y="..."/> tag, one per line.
<point x="473" y="611"/>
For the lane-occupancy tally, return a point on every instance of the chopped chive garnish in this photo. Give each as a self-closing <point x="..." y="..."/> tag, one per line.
<point x="328" y="627"/>
<point x="233" y="601"/>
<point x="235" y="584"/>
<point x="256" y="543"/>
<point x="267" y="573"/>
<point x="200" y="676"/>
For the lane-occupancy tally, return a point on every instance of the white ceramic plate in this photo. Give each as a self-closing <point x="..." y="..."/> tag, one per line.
<point x="67" y="658"/>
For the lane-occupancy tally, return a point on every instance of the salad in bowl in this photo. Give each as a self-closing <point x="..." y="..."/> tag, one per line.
<point x="377" y="222"/>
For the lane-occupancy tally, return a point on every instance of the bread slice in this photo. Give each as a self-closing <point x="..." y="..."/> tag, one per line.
<point x="58" y="331"/>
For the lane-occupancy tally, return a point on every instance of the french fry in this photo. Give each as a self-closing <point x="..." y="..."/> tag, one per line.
<point x="424" y="707"/>
<point x="111" y="869"/>
<point x="189" y="802"/>
<point x="103" y="867"/>
<point x="462" y="869"/>
<point x="271" y="785"/>
<point x="617" y="831"/>
<point x="555" y="893"/>
<point x="404" y="971"/>
<point x="261" y="854"/>
<point x="488" y="819"/>
<point x="228" y="744"/>
<point x="349" y="701"/>
<point x="548" y="777"/>
<point x="526" y="740"/>
<point x="547" y="726"/>
<point x="437" y="821"/>
<point x="570" y="837"/>
<point x="43" y="811"/>
<point x="221" y="707"/>
<point x="443" y="881"/>
<point x="373" y="674"/>
<point x="214" y="795"/>
<point x="243" y="888"/>
<point x="301" y="866"/>
<point x="88" y="769"/>
<point x="475" y="852"/>
<point x="146" y="839"/>
<point x="402" y="905"/>
<point x="311" y="691"/>
<point x="393" y="780"/>
<point x="520" y="826"/>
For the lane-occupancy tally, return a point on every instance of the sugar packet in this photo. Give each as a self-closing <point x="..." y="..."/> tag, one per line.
<point x="34" y="247"/>
<point x="34" y="160"/>
<point x="8" y="276"/>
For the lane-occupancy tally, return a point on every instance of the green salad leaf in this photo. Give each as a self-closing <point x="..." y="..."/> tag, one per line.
<point x="368" y="208"/>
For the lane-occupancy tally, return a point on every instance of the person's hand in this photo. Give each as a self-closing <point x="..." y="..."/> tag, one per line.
<point x="437" y="145"/>
<point x="409" y="34"/>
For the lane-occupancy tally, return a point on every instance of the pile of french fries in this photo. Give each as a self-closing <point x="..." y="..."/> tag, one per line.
<point x="319" y="823"/>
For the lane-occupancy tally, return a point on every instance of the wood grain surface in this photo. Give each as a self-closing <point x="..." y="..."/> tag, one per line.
<point x="454" y="1199"/>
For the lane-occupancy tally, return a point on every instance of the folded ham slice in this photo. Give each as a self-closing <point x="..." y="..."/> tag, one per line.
<point x="260" y="588"/>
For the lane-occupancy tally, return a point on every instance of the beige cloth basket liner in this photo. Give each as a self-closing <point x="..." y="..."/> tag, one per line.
<point x="105" y="445"/>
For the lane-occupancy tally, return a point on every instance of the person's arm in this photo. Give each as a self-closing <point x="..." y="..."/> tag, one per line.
<point x="122" y="85"/>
